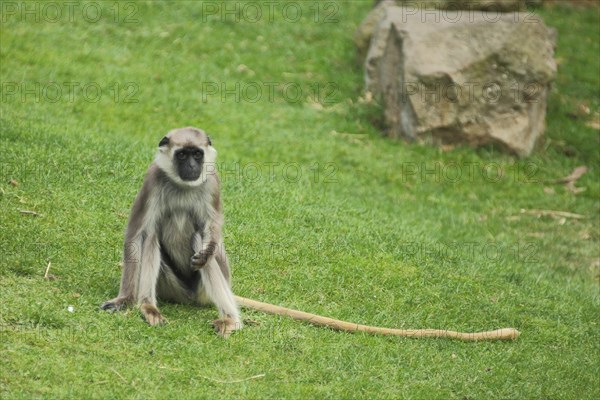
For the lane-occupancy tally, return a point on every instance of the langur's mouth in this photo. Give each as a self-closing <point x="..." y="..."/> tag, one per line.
<point x="190" y="173"/>
<point x="190" y="177"/>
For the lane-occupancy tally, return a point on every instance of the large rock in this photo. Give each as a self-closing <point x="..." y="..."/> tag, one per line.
<point x="364" y="32"/>
<point x="478" y="77"/>
<point x="362" y="35"/>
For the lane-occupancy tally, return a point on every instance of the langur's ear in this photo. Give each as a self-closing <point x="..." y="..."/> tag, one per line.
<point x="209" y="141"/>
<point x="163" y="142"/>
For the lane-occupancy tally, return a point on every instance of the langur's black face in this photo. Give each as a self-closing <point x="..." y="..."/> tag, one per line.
<point x="186" y="155"/>
<point x="188" y="162"/>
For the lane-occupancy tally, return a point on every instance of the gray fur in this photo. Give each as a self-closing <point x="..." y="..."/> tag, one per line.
<point x="176" y="225"/>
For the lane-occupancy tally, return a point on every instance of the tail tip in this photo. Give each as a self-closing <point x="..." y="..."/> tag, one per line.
<point x="507" y="334"/>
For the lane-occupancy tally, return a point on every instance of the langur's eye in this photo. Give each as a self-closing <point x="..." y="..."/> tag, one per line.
<point x="198" y="154"/>
<point x="181" y="155"/>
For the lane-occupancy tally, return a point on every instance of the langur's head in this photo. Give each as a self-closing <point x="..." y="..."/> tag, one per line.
<point x="186" y="155"/>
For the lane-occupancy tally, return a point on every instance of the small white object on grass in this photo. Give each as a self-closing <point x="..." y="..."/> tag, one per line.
<point x="71" y="309"/>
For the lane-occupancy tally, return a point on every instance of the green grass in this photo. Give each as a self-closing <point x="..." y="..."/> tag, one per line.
<point x="356" y="236"/>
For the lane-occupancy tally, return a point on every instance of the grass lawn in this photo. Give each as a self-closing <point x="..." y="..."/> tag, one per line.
<point x="323" y="214"/>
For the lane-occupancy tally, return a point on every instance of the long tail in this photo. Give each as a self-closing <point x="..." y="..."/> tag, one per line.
<point x="498" y="334"/>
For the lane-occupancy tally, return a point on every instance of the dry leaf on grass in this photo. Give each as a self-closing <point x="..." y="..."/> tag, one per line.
<point x="354" y="138"/>
<point x="47" y="275"/>
<point x="552" y="213"/>
<point x="29" y="212"/>
<point x="549" y="190"/>
<point x="234" y="380"/>
<point x="584" y="109"/>
<point x="572" y="178"/>
<point x="594" y="124"/>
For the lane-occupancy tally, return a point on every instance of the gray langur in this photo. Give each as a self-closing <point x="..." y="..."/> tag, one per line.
<point x="173" y="243"/>
<point x="174" y="248"/>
